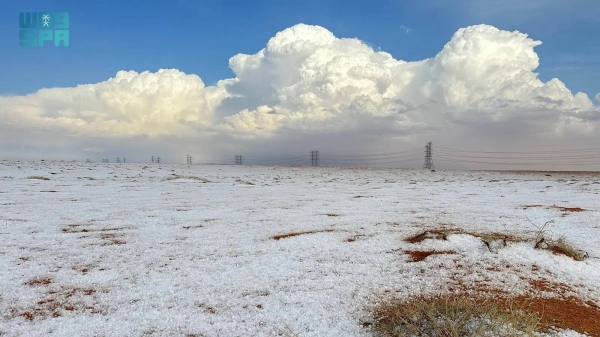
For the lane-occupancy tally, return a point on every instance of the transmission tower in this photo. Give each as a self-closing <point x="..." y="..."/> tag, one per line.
<point x="314" y="158"/>
<point x="428" y="157"/>
<point x="158" y="160"/>
<point x="239" y="160"/>
<point x="189" y="159"/>
<point x="118" y="160"/>
<point x="153" y="159"/>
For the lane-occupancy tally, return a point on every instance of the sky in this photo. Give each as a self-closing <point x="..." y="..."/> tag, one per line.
<point x="275" y="79"/>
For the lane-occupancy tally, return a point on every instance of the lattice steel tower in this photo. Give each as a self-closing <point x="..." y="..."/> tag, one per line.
<point x="314" y="158"/>
<point x="428" y="157"/>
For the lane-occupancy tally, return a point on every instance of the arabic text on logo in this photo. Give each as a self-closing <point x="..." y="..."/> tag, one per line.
<point x="37" y="29"/>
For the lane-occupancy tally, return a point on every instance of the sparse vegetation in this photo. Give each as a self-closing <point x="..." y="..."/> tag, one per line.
<point x="452" y="316"/>
<point x="559" y="246"/>
<point x="175" y="177"/>
<point x="289" y="235"/>
<point x="568" y="209"/>
<point x="419" y="255"/>
<point x="240" y="181"/>
<point x="38" y="177"/>
<point x="495" y="241"/>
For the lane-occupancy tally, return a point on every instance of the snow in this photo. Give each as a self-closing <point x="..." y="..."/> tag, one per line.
<point x="129" y="252"/>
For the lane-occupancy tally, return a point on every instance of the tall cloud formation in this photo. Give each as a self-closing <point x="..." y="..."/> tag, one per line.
<point x="308" y="80"/>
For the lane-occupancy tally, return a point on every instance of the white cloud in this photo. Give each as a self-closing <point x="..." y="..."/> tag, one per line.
<point x="131" y="103"/>
<point x="310" y="77"/>
<point x="308" y="80"/>
<point x="406" y="29"/>
<point x="598" y="97"/>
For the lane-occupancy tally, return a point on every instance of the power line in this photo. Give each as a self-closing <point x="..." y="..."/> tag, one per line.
<point x="403" y="161"/>
<point x="520" y="152"/>
<point x="369" y="159"/>
<point x="516" y="157"/>
<point x="373" y="155"/>
<point x="445" y="159"/>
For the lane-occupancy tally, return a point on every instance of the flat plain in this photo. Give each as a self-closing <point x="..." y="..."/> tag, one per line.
<point x="215" y="250"/>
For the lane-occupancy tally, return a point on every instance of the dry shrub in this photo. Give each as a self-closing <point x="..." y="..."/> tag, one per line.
<point x="557" y="247"/>
<point x="452" y="316"/>
<point x="561" y="247"/>
<point x="38" y="177"/>
<point x="442" y="234"/>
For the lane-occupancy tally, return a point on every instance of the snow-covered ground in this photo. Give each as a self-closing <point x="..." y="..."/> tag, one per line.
<point x="119" y="250"/>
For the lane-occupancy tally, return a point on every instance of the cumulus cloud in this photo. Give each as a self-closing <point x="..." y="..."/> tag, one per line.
<point x="598" y="97"/>
<point x="131" y="103"/>
<point x="306" y="80"/>
<point x="313" y="79"/>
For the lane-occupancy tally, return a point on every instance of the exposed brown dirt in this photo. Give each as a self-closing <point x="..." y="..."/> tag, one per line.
<point x="551" y="301"/>
<point x="564" y="313"/>
<point x="437" y="234"/>
<point x="289" y="235"/>
<point x="442" y="234"/>
<point x="61" y="301"/>
<point x="39" y="281"/>
<point x="354" y="238"/>
<point x="73" y="229"/>
<point x="560" y="208"/>
<point x="417" y="255"/>
<point x="532" y="206"/>
<point x="543" y="285"/>
<point x="114" y="242"/>
<point x="568" y="209"/>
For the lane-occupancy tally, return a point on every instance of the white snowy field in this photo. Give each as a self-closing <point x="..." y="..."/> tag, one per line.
<point x="120" y="250"/>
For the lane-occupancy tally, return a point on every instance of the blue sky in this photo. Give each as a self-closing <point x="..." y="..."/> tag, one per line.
<point x="199" y="37"/>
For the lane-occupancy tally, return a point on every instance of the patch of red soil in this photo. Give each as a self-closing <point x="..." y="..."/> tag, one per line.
<point x="532" y="206"/>
<point x="56" y="306"/>
<point x="568" y="209"/>
<point x="39" y="281"/>
<point x="564" y="313"/>
<point x="562" y="310"/>
<point x="437" y="234"/>
<point x="289" y="235"/>
<point x="417" y="256"/>
<point x="544" y="285"/>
